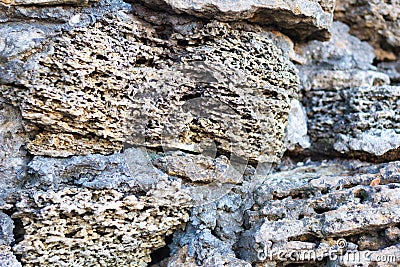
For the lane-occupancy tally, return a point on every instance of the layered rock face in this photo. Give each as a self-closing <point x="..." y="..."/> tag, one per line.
<point x="324" y="209"/>
<point x="352" y="108"/>
<point x="153" y="133"/>
<point x="92" y="211"/>
<point x="299" y="19"/>
<point x="89" y="96"/>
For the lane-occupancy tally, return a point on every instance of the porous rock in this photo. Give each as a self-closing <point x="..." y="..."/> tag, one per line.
<point x="361" y="121"/>
<point x="117" y="82"/>
<point x="321" y="209"/>
<point x="58" y="16"/>
<point x="13" y="154"/>
<point x="301" y="19"/>
<point x="6" y="230"/>
<point x="199" y="168"/>
<point x="351" y="107"/>
<point x="7" y="258"/>
<point x="47" y="2"/>
<point x="92" y="211"/>
<point x="181" y="258"/>
<point x="377" y="22"/>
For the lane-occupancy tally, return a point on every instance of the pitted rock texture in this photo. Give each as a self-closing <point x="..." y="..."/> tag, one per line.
<point x="47" y="2"/>
<point x="301" y="19"/>
<point x="7" y="258"/>
<point x="362" y="121"/>
<point x="377" y="22"/>
<point x="92" y="211"/>
<point x="13" y="154"/>
<point x="95" y="227"/>
<point x="117" y="82"/>
<point x="309" y="208"/>
<point x="199" y="168"/>
<point x="6" y="230"/>
<point x="58" y="16"/>
<point x="181" y="258"/>
<point x="352" y="110"/>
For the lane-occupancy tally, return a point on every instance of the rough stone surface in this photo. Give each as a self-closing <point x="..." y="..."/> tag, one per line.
<point x="361" y="121"/>
<point x="199" y="168"/>
<point x="13" y="155"/>
<point x="91" y="211"/>
<point x="377" y="22"/>
<point x="322" y="207"/>
<point x="296" y="130"/>
<point x="6" y="230"/>
<point x="7" y="258"/>
<point x="350" y="106"/>
<point x="103" y="108"/>
<point x="47" y="2"/>
<point x="392" y="69"/>
<point x="342" y="52"/>
<point x="194" y="102"/>
<point x="299" y="19"/>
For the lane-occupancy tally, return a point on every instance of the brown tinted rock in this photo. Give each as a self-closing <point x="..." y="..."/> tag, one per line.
<point x="377" y="22"/>
<point x="102" y="86"/>
<point x="300" y="19"/>
<point x="393" y="233"/>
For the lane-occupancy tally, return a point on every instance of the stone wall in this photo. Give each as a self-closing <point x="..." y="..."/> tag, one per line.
<point x="199" y="133"/>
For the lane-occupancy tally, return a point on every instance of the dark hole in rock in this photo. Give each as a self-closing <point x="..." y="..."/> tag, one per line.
<point x="160" y="254"/>
<point x="362" y="195"/>
<point x="376" y="62"/>
<point x="19" y="230"/>
<point x="101" y="57"/>
<point x="19" y="234"/>
<point x="183" y="42"/>
<point x="306" y="238"/>
<point x="164" y="32"/>
<point x="320" y="210"/>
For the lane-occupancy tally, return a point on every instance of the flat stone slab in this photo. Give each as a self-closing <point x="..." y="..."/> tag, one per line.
<point x="300" y="19"/>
